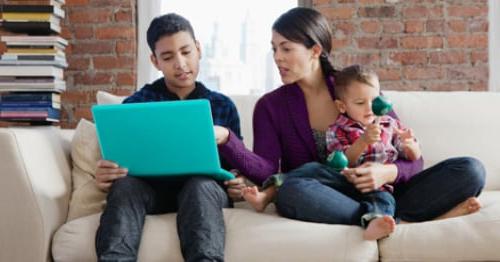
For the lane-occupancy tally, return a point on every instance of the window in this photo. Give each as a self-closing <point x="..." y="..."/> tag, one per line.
<point x="235" y="39"/>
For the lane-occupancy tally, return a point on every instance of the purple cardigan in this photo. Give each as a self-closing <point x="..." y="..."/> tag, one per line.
<point x="283" y="139"/>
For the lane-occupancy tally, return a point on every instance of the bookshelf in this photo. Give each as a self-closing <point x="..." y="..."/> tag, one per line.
<point x="32" y="67"/>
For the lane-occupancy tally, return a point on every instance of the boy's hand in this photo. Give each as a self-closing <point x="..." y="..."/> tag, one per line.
<point x="221" y="135"/>
<point x="409" y="143"/>
<point x="106" y="173"/>
<point x="371" y="134"/>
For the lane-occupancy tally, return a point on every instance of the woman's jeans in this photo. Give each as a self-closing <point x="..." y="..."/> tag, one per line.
<point x="200" y="223"/>
<point x="310" y="196"/>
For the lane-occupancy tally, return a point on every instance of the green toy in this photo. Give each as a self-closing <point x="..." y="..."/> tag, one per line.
<point x="337" y="160"/>
<point x="381" y="105"/>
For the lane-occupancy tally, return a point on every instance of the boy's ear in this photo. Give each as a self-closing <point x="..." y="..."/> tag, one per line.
<point x="198" y="47"/>
<point x="317" y="50"/>
<point x="154" y="61"/>
<point x="340" y="106"/>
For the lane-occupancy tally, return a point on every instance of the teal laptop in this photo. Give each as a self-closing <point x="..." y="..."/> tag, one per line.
<point x="154" y="139"/>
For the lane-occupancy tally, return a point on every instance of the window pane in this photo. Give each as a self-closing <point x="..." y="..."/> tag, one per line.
<point x="236" y="42"/>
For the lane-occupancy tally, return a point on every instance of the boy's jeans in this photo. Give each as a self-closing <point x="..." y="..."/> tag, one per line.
<point x="427" y="195"/>
<point x="200" y="224"/>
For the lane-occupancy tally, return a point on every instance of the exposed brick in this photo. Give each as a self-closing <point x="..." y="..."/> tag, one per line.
<point x="83" y="112"/>
<point x="83" y="32"/>
<point x="468" y="41"/>
<point x="94" y="78"/>
<point x="70" y="3"/>
<point x="363" y="59"/>
<point x="414" y="26"/>
<point x="423" y="12"/>
<point x="434" y="26"/>
<point x="339" y="12"/>
<point x="478" y="57"/>
<point x="370" y="26"/>
<point x="126" y="79"/>
<point x="408" y="58"/>
<point x="340" y="43"/>
<point x="385" y="74"/>
<point x="124" y="16"/>
<point x="101" y="47"/>
<point x="112" y="62"/>
<point x="449" y="57"/>
<point x="377" y="42"/>
<point x="467" y="11"/>
<point x="393" y="27"/>
<point x="320" y="2"/>
<point x="457" y="26"/>
<point x="90" y="15"/>
<point x="422" y="42"/>
<point x="126" y="47"/>
<point x="78" y="63"/>
<point x="468" y="73"/>
<point x="478" y="26"/>
<point x="423" y="73"/>
<point x="379" y="11"/>
<point x="115" y="32"/>
<point x="343" y="28"/>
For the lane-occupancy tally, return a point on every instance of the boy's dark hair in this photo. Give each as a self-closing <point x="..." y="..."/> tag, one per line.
<point x="308" y="27"/>
<point x="167" y="25"/>
<point x="346" y="76"/>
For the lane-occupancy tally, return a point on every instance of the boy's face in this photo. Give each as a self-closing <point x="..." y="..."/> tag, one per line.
<point x="177" y="56"/>
<point x="356" y="102"/>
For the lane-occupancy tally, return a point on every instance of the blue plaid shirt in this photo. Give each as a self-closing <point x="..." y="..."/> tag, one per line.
<point x="224" y="111"/>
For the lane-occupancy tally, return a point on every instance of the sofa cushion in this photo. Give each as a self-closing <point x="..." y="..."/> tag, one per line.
<point x="473" y="237"/>
<point x="86" y="198"/>
<point x="250" y="236"/>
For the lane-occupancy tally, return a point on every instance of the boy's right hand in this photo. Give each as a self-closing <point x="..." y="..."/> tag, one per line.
<point x="371" y="134"/>
<point x="106" y="173"/>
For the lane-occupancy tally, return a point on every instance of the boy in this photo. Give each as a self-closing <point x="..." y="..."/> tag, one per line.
<point x="198" y="200"/>
<point x="363" y="138"/>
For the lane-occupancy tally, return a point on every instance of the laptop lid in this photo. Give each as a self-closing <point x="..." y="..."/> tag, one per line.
<point x="173" y="138"/>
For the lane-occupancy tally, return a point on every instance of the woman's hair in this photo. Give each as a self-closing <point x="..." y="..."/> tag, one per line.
<point x="308" y="27"/>
<point x="167" y="25"/>
<point x="346" y="76"/>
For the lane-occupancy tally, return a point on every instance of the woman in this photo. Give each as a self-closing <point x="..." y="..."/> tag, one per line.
<point x="289" y="127"/>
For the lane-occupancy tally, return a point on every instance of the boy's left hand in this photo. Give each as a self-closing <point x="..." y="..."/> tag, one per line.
<point x="366" y="177"/>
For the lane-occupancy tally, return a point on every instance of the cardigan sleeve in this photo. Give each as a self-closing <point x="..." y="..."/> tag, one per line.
<point x="264" y="160"/>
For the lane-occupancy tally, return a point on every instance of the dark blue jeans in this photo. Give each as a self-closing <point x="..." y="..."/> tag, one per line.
<point x="200" y="222"/>
<point x="427" y="195"/>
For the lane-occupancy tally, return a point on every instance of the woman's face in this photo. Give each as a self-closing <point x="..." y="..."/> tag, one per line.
<point x="294" y="60"/>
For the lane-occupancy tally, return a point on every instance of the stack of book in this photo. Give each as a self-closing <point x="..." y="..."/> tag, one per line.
<point x="34" y="107"/>
<point x="32" y="68"/>
<point x="37" y="17"/>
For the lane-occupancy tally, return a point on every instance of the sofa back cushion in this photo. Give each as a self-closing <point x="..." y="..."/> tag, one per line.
<point x="86" y="198"/>
<point x="450" y="124"/>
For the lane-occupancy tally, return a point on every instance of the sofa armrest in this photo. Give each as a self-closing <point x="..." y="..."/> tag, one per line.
<point x="35" y="187"/>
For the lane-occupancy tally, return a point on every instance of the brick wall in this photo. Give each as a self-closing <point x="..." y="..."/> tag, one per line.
<point x="101" y="55"/>
<point x="413" y="44"/>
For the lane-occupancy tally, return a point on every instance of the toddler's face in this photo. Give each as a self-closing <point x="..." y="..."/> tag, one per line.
<point x="358" y="99"/>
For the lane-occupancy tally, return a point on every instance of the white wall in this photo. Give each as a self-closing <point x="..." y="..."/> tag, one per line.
<point x="147" y="10"/>
<point x="494" y="45"/>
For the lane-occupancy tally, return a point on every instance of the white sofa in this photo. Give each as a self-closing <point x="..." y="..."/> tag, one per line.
<point x="35" y="190"/>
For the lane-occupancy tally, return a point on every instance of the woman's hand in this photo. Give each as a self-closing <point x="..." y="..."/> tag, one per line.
<point x="235" y="186"/>
<point x="221" y="135"/>
<point x="370" y="176"/>
<point x="106" y="173"/>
